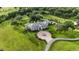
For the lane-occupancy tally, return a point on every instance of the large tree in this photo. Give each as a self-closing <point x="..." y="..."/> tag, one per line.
<point x="35" y="18"/>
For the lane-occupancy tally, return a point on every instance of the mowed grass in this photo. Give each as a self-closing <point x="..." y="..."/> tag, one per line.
<point x="66" y="45"/>
<point x="13" y="40"/>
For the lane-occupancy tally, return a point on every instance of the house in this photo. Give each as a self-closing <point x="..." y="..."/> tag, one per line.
<point x="38" y="25"/>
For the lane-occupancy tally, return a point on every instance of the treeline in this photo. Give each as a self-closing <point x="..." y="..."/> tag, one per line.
<point x="64" y="12"/>
<point x="20" y="11"/>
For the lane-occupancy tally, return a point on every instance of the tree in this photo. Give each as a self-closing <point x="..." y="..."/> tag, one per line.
<point x="22" y="11"/>
<point x="63" y="12"/>
<point x="35" y="18"/>
<point x="11" y="15"/>
<point x="69" y="24"/>
<point x="2" y="18"/>
<point x="65" y="26"/>
<point x="45" y="12"/>
<point x="60" y="27"/>
<point x="77" y="22"/>
<point x="16" y="20"/>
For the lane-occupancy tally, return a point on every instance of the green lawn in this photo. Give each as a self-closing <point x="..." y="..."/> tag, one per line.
<point x="11" y="39"/>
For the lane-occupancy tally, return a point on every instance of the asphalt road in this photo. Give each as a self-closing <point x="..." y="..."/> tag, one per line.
<point x="55" y="39"/>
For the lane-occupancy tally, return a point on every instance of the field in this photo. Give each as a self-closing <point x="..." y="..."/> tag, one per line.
<point x="13" y="36"/>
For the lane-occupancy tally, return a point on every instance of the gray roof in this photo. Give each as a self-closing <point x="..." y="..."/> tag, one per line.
<point x="38" y="25"/>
